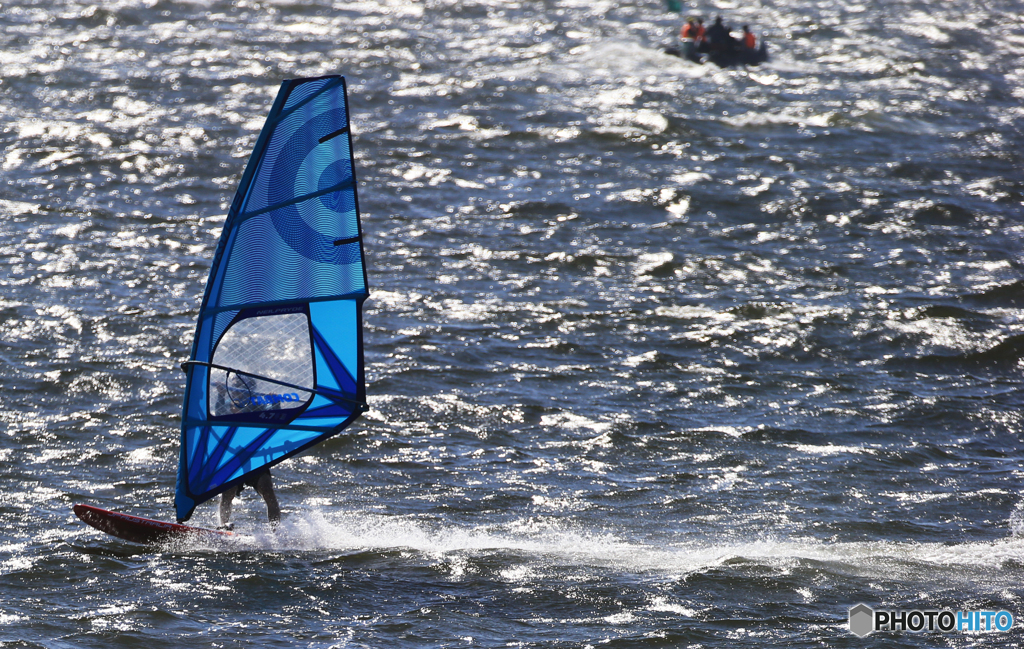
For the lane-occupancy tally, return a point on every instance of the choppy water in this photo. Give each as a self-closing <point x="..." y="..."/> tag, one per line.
<point x="660" y="355"/>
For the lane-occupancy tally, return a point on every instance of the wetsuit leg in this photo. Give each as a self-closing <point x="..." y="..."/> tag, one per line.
<point x="225" y="505"/>
<point x="265" y="487"/>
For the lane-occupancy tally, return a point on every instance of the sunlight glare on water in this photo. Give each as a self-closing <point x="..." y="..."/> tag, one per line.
<point x="658" y="354"/>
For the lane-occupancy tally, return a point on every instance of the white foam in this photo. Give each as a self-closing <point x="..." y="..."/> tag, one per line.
<point x="549" y="544"/>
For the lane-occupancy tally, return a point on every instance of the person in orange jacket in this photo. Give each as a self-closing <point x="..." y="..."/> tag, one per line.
<point x="748" y="39"/>
<point x="692" y="34"/>
<point x="693" y="30"/>
<point x="689" y="31"/>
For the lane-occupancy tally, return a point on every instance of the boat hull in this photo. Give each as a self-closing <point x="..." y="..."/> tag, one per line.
<point x="722" y="58"/>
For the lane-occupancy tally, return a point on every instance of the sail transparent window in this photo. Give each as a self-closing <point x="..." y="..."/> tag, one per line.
<point x="273" y="347"/>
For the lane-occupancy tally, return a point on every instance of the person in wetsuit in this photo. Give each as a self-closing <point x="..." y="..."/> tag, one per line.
<point x="264" y="486"/>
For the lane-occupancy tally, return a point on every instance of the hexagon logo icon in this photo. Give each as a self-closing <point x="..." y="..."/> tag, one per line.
<point x="861" y="620"/>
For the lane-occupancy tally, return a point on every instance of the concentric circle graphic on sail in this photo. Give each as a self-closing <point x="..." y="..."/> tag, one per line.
<point x="310" y="227"/>
<point x="277" y="360"/>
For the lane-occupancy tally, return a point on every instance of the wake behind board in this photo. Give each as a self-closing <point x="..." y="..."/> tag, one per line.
<point x="140" y="530"/>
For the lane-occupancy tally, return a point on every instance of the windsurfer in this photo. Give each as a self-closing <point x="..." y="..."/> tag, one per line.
<point x="264" y="486"/>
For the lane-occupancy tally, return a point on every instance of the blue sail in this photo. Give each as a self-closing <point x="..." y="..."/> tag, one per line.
<point x="277" y="360"/>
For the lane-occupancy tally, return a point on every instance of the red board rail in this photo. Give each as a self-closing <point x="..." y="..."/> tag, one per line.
<point x="138" y="529"/>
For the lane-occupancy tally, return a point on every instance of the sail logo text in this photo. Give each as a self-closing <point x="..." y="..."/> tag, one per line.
<point x="865" y="620"/>
<point x="271" y="399"/>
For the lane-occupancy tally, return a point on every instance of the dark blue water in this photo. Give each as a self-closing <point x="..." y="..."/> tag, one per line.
<point x="659" y="355"/>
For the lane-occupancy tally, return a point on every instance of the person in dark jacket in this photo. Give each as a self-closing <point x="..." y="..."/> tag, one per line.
<point x="718" y="36"/>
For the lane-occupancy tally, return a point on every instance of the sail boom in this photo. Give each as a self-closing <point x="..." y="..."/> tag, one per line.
<point x="333" y="396"/>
